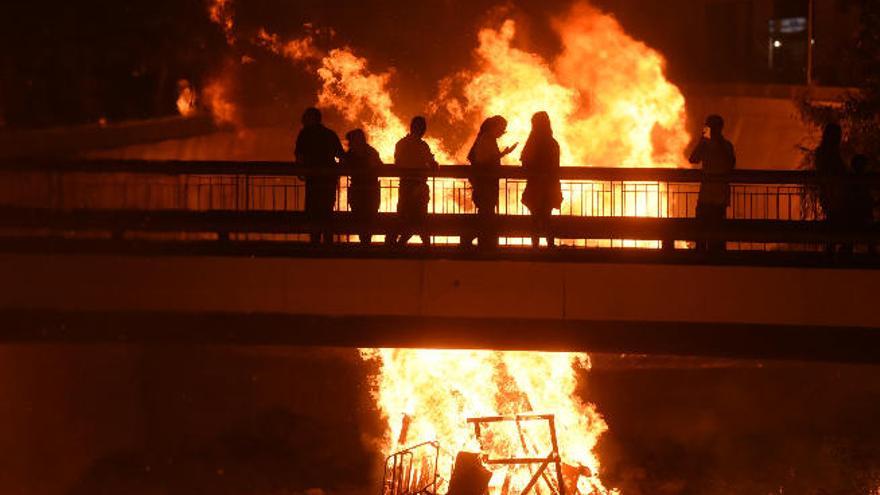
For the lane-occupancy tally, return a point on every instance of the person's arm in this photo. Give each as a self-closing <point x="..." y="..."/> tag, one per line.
<point x="698" y="152"/>
<point x="375" y="159"/>
<point x="298" y="150"/>
<point x="509" y="150"/>
<point x="526" y="157"/>
<point x="338" y="151"/>
<point x="429" y="158"/>
<point x="732" y="155"/>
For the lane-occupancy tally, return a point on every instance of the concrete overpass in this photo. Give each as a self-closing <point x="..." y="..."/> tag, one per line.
<point x="612" y="302"/>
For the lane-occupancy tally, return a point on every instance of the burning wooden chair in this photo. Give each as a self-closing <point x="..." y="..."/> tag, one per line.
<point x="560" y="484"/>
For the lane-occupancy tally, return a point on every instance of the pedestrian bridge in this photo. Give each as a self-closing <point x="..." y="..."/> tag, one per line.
<point x="207" y="252"/>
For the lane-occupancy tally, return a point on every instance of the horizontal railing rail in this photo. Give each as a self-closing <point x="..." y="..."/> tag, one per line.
<point x="602" y="207"/>
<point x="343" y="223"/>
<point x="290" y="169"/>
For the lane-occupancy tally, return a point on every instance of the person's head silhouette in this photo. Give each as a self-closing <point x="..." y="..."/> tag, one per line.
<point x="715" y="123"/>
<point x="418" y="126"/>
<point x="541" y="123"/>
<point x="496" y="126"/>
<point x="357" y="139"/>
<point x="832" y="134"/>
<point x="311" y="117"/>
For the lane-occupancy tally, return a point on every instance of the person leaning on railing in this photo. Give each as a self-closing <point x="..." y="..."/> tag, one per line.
<point x="857" y="201"/>
<point x="364" y="193"/>
<point x="485" y="159"/>
<point x="318" y="147"/>
<point x="412" y="153"/>
<point x="718" y="159"/>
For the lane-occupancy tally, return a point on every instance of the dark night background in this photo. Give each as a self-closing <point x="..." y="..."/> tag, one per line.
<point x="76" y="62"/>
<point x="154" y="419"/>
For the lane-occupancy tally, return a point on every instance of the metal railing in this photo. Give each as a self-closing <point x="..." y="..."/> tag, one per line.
<point x="766" y="202"/>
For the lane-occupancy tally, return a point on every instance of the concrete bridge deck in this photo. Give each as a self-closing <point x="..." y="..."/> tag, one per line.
<point x="610" y="305"/>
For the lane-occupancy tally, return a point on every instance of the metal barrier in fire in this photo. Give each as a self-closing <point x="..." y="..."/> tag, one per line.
<point x="557" y="485"/>
<point x="412" y="471"/>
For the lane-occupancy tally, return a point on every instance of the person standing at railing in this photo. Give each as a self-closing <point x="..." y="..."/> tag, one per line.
<point x="543" y="193"/>
<point x="485" y="158"/>
<point x="718" y="159"/>
<point x="412" y="153"/>
<point x="318" y="148"/>
<point x="831" y="169"/>
<point x="364" y="194"/>
<point x="858" y="200"/>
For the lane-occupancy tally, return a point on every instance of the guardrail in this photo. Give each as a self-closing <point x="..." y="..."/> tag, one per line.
<point x="603" y="207"/>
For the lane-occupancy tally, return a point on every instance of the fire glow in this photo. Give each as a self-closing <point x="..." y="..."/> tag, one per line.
<point x="609" y="100"/>
<point x="430" y="393"/>
<point x="611" y="105"/>
<point x="606" y="93"/>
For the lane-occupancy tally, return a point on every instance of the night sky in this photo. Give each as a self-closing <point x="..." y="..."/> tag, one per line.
<point x="65" y="62"/>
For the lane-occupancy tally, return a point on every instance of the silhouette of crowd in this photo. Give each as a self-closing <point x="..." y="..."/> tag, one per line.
<point x="845" y="200"/>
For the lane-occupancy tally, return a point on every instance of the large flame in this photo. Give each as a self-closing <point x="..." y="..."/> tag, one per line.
<point x="437" y="390"/>
<point x="606" y="93"/>
<point x="610" y="104"/>
<point x="361" y="96"/>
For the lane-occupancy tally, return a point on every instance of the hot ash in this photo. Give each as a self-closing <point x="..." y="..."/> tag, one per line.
<point x="487" y="402"/>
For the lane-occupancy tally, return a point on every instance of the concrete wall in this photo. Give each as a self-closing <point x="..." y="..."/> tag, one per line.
<point x="442" y="288"/>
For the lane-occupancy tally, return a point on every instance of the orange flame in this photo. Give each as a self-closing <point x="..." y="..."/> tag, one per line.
<point x="186" y="98"/>
<point x="439" y="389"/>
<point x="362" y="97"/>
<point x="221" y="14"/>
<point x="611" y="106"/>
<point x="219" y="101"/>
<point x="606" y="93"/>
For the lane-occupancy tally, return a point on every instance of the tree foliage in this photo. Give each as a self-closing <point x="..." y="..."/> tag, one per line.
<point x="858" y="111"/>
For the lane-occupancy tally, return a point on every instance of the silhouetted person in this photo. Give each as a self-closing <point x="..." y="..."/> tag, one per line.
<point x="485" y="158"/>
<point x="543" y="193"/>
<point x="317" y="147"/>
<point x="858" y="198"/>
<point x="364" y="194"/>
<point x="718" y="159"/>
<point x="413" y="153"/>
<point x="831" y="169"/>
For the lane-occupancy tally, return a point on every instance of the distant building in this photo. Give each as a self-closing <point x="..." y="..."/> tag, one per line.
<point x="748" y="41"/>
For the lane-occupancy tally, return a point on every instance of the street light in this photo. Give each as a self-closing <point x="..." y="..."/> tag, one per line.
<point x="810" y="41"/>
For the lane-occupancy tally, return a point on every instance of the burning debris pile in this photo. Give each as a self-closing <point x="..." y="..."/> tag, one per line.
<point x="462" y="421"/>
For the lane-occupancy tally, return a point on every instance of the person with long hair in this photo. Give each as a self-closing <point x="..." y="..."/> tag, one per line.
<point x="543" y="193"/>
<point x="485" y="159"/>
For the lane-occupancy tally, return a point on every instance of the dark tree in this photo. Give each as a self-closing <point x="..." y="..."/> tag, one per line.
<point x="75" y="62"/>
<point x="858" y="112"/>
